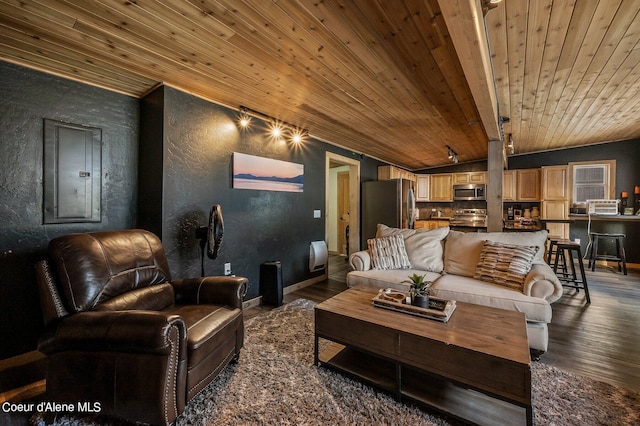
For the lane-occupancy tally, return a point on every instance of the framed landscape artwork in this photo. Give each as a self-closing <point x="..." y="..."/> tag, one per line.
<point x="252" y="172"/>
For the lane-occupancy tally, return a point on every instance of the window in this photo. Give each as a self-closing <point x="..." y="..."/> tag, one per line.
<point x="593" y="181"/>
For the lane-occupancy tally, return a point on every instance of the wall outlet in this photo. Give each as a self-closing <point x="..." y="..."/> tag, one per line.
<point x="227" y="268"/>
<point x="577" y="240"/>
<point x="317" y="214"/>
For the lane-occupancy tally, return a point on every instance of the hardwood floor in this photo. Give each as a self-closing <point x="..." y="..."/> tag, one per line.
<point x="600" y="340"/>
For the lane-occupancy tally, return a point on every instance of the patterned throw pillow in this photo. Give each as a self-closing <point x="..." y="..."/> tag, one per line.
<point x="505" y="264"/>
<point x="388" y="253"/>
<point x="424" y="246"/>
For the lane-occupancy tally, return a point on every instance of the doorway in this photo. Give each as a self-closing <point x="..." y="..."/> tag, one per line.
<point x="344" y="212"/>
<point x="342" y="204"/>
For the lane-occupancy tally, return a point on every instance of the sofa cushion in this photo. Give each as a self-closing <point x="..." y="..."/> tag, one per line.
<point x="462" y="249"/>
<point x="470" y="290"/>
<point x="505" y="264"/>
<point x="388" y="253"/>
<point x="424" y="246"/>
<point x="395" y="279"/>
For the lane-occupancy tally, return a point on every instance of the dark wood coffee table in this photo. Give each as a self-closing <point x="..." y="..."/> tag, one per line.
<point x="474" y="367"/>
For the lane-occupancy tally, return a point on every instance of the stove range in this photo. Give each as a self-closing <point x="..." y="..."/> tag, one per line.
<point x="471" y="218"/>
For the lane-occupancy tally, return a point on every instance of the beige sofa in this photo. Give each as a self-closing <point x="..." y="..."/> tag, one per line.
<point x="451" y="258"/>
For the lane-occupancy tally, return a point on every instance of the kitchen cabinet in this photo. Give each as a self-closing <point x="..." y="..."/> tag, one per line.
<point x="470" y="177"/>
<point x="521" y="185"/>
<point x="556" y="210"/>
<point x="422" y="187"/>
<point x="391" y="172"/>
<point x="420" y="224"/>
<point x="555" y="183"/>
<point x="528" y="185"/>
<point x="555" y="198"/>
<point x="440" y="187"/>
<point x="431" y="224"/>
<point x="509" y="178"/>
<point x="478" y="177"/>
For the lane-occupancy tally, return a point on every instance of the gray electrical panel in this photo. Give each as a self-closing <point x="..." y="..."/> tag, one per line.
<point x="72" y="173"/>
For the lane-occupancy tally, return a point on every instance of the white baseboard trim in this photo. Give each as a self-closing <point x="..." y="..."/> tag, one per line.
<point x="257" y="301"/>
<point x="305" y="283"/>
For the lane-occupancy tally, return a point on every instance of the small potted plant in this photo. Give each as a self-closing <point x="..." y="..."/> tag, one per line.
<point x="420" y="290"/>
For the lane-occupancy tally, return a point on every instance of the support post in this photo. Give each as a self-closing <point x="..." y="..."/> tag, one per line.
<point x="495" y="166"/>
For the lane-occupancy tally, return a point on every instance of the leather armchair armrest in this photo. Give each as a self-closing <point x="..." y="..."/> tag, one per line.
<point x="360" y="261"/>
<point x="220" y="290"/>
<point x="542" y="282"/>
<point x="116" y="331"/>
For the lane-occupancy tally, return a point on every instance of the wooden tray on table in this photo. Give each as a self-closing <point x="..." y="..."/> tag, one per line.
<point x="395" y="300"/>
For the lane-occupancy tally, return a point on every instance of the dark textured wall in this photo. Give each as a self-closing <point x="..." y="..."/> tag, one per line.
<point x="198" y="142"/>
<point x="151" y="162"/>
<point x="26" y="98"/>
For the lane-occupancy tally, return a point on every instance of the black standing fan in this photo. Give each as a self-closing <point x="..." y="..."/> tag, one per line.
<point x="211" y="236"/>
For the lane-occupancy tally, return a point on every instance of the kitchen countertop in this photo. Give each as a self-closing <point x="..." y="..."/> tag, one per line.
<point x="617" y="217"/>
<point x="571" y="218"/>
<point x="511" y="225"/>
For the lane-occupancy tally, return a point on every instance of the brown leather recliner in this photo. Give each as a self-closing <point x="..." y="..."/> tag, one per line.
<point x="122" y="333"/>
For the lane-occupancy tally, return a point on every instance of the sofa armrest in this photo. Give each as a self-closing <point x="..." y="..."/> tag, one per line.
<point x="543" y="283"/>
<point x="116" y="331"/>
<point x="220" y="290"/>
<point x="360" y="261"/>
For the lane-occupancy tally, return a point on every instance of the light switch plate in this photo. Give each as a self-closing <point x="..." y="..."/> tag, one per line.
<point x="317" y="214"/>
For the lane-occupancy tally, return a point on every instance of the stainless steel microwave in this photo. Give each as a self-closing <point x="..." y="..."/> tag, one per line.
<point x="470" y="191"/>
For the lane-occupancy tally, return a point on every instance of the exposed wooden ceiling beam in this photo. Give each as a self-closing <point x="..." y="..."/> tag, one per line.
<point x="466" y="26"/>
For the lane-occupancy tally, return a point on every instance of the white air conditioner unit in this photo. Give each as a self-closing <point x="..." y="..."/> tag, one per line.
<point x="602" y="207"/>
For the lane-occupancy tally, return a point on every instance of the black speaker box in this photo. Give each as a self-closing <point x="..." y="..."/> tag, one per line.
<point x="271" y="283"/>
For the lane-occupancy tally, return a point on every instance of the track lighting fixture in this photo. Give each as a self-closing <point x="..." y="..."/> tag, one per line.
<point x="453" y="156"/>
<point x="510" y="147"/>
<point x="487" y="5"/>
<point x="277" y="129"/>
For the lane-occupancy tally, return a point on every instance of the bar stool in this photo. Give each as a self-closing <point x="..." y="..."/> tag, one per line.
<point x="619" y="256"/>
<point x="552" y="252"/>
<point x="565" y="251"/>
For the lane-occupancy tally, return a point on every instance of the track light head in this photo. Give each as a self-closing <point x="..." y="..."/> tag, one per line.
<point x="451" y="154"/>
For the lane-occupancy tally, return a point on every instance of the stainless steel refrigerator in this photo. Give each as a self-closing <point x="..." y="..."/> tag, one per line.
<point x="390" y="202"/>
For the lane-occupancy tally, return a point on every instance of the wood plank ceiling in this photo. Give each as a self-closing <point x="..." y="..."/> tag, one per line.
<point x="375" y="76"/>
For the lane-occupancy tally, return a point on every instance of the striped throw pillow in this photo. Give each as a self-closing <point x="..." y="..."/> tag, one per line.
<point x="388" y="253"/>
<point x="505" y="264"/>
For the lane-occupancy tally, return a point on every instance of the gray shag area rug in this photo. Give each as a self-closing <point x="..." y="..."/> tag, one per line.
<point x="275" y="382"/>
